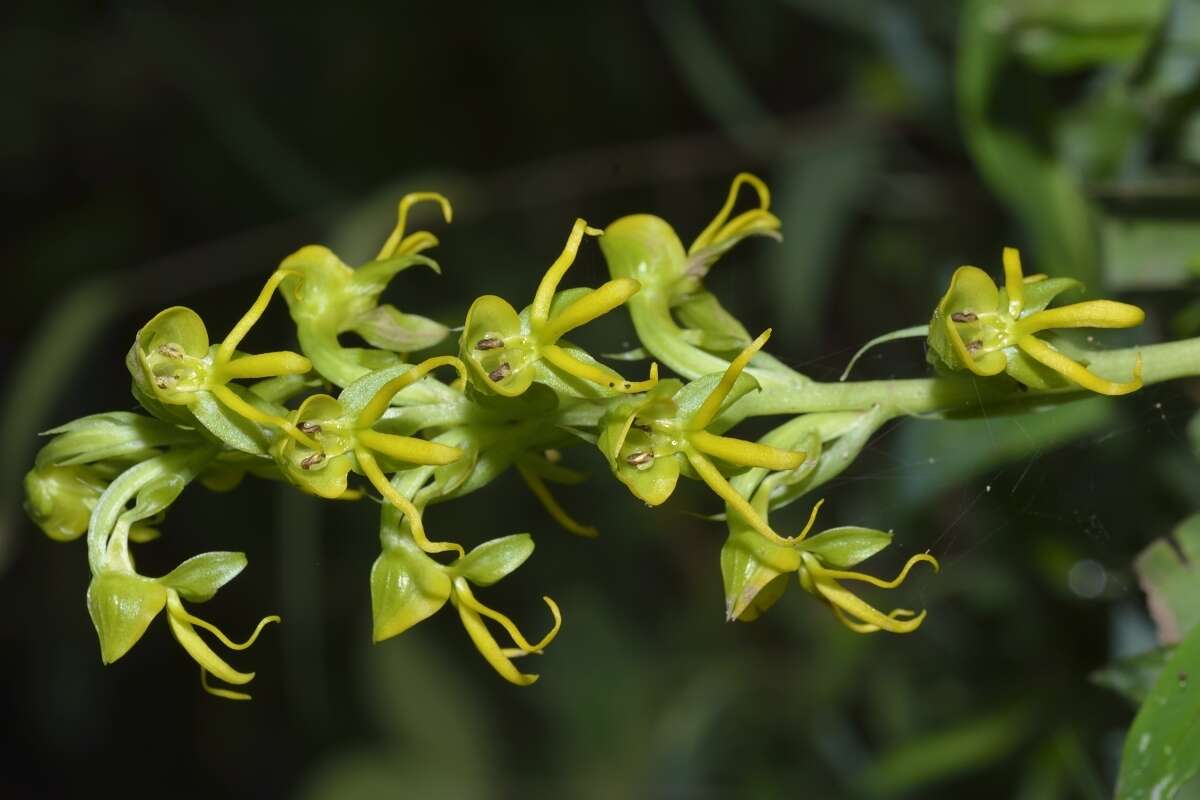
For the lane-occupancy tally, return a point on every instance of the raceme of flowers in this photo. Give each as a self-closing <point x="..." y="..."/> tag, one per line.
<point x="343" y="422"/>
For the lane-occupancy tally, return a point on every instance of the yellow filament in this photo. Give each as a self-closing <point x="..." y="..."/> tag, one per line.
<point x="746" y="454"/>
<point x="712" y="404"/>
<point x="485" y="643"/>
<point x="192" y="619"/>
<point x="710" y="234"/>
<point x="243" y="409"/>
<point x="255" y="312"/>
<point x="468" y="599"/>
<point x="383" y="398"/>
<point x="865" y="614"/>
<point x="1014" y="282"/>
<point x="595" y="303"/>
<point x="1074" y="371"/>
<point x="866" y="627"/>
<point x="843" y="575"/>
<point x="394" y="241"/>
<point x="560" y="515"/>
<point x="408" y="448"/>
<point x="217" y="691"/>
<point x="178" y="618"/>
<point x="540" y="310"/>
<point x="370" y="468"/>
<point x="596" y="374"/>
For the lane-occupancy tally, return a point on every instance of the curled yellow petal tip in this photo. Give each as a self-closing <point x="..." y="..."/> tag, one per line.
<point x="542" y="492"/>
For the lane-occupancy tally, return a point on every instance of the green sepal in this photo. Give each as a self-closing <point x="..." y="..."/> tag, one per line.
<point x="449" y="478"/>
<point x="493" y="560"/>
<point x="60" y="500"/>
<point x="370" y="279"/>
<point x="199" y="578"/>
<point x="767" y="596"/>
<point x="655" y="481"/>
<point x="387" y="328"/>
<point x="646" y="248"/>
<point x="178" y="327"/>
<point x="122" y="605"/>
<point x="846" y="546"/>
<point x="1033" y="373"/>
<point x="1039" y="294"/>
<point x="719" y="331"/>
<point x="326" y="477"/>
<point x="492" y="317"/>
<point x="971" y="291"/>
<point x="750" y="564"/>
<point x="322" y="275"/>
<point x="407" y="586"/>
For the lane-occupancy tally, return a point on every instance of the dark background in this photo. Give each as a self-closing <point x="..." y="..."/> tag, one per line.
<point x="154" y="157"/>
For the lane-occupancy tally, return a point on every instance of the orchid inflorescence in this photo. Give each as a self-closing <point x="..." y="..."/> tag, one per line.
<point x="520" y="394"/>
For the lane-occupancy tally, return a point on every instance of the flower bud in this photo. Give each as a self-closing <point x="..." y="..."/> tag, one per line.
<point x="60" y="499"/>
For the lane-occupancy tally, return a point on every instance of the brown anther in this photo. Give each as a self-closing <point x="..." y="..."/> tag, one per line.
<point x="489" y="343"/>
<point x="170" y="350"/>
<point x="641" y="426"/>
<point x="640" y="458"/>
<point x="311" y="461"/>
<point x="964" y="316"/>
<point x="308" y="427"/>
<point x="500" y="373"/>
<point x="975" y="346"/>
<point x="163" y="381"/>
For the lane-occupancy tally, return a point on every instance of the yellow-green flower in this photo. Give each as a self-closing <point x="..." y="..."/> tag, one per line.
<point x="508" y="351"/>
<point x="173" y="364"/>
<point x="987" y="330"/>
<point x="122" y="604"/>
<point x="677" y="320"/>
<point x="650" y="440"/>
<point x="343" y="439"/>
<point x="328" y="298"/>
<point x="407" y="586"/>
<point x="756" y="569"/>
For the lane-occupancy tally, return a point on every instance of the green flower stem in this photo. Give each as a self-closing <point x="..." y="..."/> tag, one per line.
<point x="960" y="396"/>
<point x="184" y="462"/>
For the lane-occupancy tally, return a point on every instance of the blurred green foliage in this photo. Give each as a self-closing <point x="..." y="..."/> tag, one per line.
<point x="160" y="157"/>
